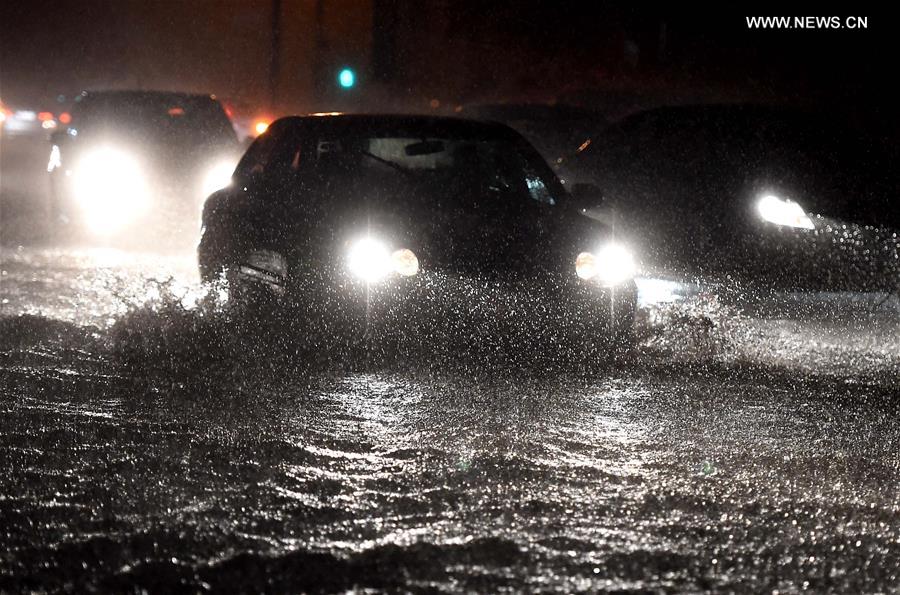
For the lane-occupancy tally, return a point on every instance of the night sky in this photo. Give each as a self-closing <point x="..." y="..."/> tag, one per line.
<point x="536" y="49"/>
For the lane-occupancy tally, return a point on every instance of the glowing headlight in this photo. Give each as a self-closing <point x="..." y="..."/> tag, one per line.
<point x="783" y="212"/>
<point x="610" y="265"/>
<point x="371" y="260"/>
<point x="110" y="189"/>
<point x="217" y="177"/>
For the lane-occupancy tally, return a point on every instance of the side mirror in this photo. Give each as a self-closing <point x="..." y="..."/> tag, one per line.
<point x="584" y="197"/>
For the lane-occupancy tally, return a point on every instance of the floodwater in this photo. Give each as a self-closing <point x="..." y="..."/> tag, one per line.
<point x="147" y="442"/>
<point x="725" y="452"/>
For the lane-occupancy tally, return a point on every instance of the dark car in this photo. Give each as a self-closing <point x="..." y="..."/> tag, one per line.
<point x="769" y="198"/>
<point x="414" y="224"/>
<point x="129" y="158"/>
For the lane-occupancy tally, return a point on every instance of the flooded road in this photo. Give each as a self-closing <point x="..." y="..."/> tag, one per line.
<point x="755" y="454"/>
<point x="148" y="443"/>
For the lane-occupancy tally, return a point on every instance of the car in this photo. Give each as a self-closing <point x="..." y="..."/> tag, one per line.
<point x="758" y="199"/>
<point x="131" y="161"/>
<point x="414" y="226"/>
<point x="26" y="121"/>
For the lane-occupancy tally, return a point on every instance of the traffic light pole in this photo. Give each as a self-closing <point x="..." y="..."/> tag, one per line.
<point x="275" y="55"/>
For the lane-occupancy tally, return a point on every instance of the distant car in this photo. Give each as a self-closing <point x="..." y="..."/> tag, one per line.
<point x="26" y="121"/>
<point x="131" y="158"/>
<point x="556" y="131"/>
<point x="763" y="197"/>
<point x="425" y="221"/>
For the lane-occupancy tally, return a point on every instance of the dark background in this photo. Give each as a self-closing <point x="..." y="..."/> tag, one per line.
<point x="285" y="54"/>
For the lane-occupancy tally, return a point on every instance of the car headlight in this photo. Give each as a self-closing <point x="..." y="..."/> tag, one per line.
<point x="217" y="177"/>
<point x="371" y="260"/>
<point x="610" y="265"/>
<point x="784" y="212"/>
<point x="110" y="189"/>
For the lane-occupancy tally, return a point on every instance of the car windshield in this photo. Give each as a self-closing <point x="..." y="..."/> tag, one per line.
<point x="428" y="165"/>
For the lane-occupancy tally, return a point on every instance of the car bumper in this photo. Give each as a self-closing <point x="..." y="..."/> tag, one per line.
<point x="435" y="305"/>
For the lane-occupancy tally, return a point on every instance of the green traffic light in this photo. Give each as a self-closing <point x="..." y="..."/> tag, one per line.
<point x="346" y="78"/>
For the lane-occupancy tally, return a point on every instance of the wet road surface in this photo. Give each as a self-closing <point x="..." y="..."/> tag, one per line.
<point x="725" y="451"/>
<point x="692" y="463"/>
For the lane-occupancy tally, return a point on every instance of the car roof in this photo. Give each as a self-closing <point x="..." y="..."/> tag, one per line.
<point x="395" y="125"/>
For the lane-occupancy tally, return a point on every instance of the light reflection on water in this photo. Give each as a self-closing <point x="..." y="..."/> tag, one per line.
<point x="453" y="459"/>
<point x="626" y="481"/>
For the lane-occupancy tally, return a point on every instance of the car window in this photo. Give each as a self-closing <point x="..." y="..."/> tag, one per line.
<point x="467" y="168"/>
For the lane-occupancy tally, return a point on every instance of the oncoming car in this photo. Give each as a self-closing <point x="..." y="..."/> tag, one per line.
<point x="751" y="201"/>
<point x="412" y="227"/>
<point x="132" y="158"/>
